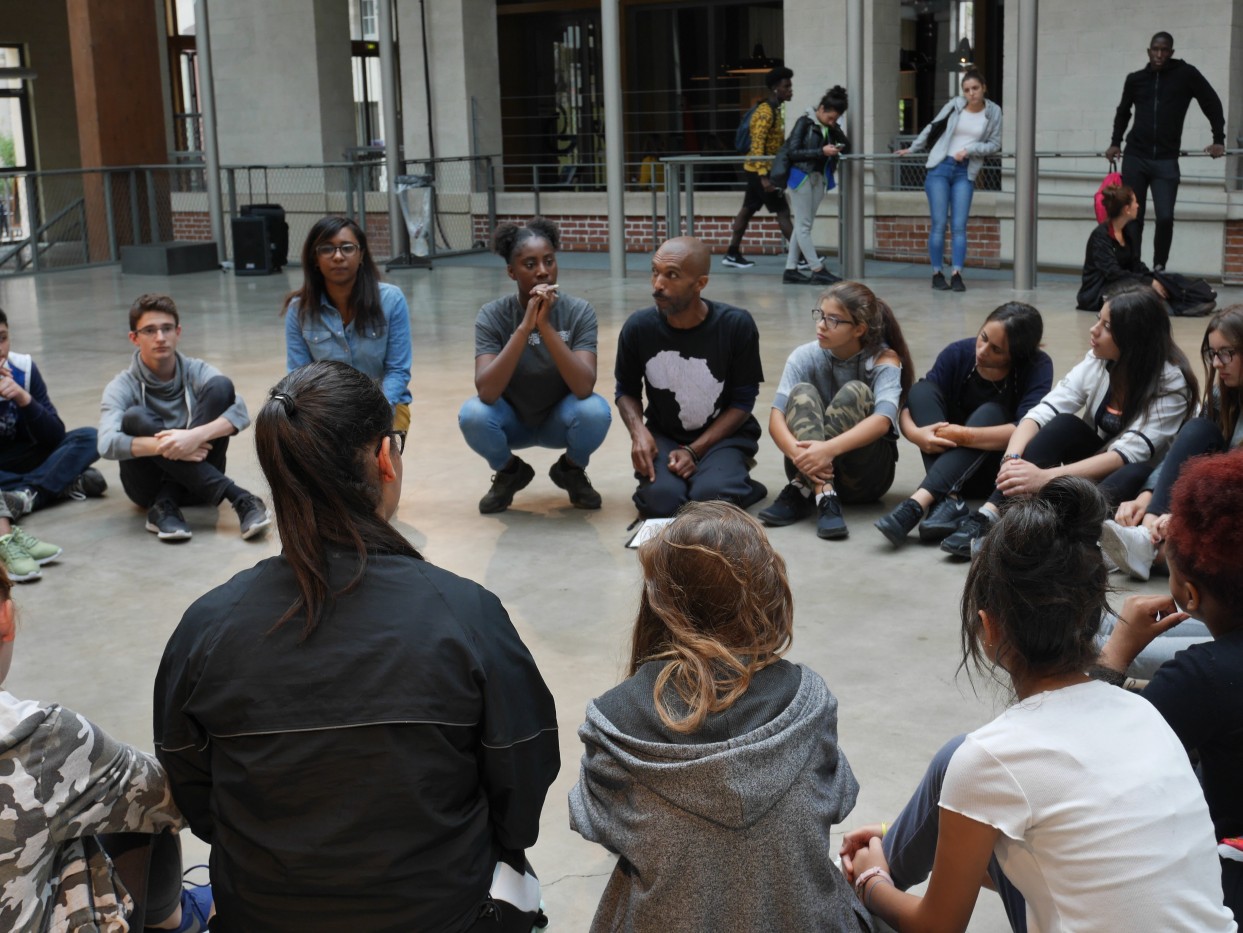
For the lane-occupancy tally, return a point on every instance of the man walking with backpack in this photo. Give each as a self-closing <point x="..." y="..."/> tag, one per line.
<point x="1161" y="93"/>
<point x="767" y="134"/>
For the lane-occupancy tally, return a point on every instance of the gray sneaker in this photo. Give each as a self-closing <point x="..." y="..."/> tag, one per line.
<point x="165" y="521"/>
<point x="1130" y="548"/>
<point x="253" y="516"/>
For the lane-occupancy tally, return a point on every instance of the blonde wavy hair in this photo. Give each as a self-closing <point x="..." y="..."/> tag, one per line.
<point x="716" y="608"/>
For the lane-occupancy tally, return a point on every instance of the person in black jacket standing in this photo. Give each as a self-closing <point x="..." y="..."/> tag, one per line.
<point x="1160" y="94"/>
<point x="814" y="145"/>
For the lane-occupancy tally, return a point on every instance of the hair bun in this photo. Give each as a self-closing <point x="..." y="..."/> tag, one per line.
<point x="1078" y="507"/>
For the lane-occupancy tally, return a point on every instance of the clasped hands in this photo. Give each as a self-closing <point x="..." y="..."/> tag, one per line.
<point x="181" y="444"/>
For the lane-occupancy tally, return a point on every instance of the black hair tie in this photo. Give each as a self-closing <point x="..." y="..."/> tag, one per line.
<point x="285" y="400"/>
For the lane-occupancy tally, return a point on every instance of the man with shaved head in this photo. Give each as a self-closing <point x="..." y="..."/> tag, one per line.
<point x="700" y="363"/>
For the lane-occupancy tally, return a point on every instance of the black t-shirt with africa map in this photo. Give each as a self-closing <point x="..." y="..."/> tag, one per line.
<point x="691" y="375"/>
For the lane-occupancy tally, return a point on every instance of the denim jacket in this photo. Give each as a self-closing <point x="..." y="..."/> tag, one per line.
<point x="383" y="353"/>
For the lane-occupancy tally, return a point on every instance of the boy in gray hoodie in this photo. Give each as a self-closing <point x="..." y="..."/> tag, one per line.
<point x="168" y="419"/>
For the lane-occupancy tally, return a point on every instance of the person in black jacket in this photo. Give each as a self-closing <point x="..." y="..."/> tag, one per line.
<point x="361" y="736"/>
<point x="814" y="145"/>
<point x="1112" y="254"/>
<point x="1160" y="94"/>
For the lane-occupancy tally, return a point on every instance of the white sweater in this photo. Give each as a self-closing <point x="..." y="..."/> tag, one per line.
<point x="1148" y="437"/>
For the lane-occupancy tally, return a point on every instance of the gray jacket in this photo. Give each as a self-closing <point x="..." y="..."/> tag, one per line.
<point x="726" y="834"/>
<point x="173" y="401"/>
<point x="976" y="151"/>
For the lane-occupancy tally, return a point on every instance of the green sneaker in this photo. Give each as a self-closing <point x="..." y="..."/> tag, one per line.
<point x="21" y="566"/>
<point x="40" y="551"/>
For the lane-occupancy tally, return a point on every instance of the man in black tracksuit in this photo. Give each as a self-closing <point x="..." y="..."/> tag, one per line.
<point x="1161" y="94"/>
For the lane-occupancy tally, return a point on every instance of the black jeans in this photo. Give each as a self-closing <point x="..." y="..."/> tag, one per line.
<point x="950" y="471"/>
<point x="1198" y="436"/>
<point x="1162" y="176"/>
<point x="1069" y="439"/>
<point x="149" y="479"/>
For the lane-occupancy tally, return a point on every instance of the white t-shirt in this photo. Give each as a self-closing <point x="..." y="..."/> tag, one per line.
<point x="1103" y="823"/>
<point x="970" y="129"/>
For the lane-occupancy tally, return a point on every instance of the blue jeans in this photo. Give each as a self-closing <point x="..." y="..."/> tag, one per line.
<point x="576" y="426"/>
<point x="58" y="468"/>
<point x="949" y="191"/>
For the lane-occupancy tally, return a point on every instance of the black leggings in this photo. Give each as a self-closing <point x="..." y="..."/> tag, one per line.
<point x="1068" y="439"/>
<point x="949" y="472"/>
<point x="1198" y="436"/>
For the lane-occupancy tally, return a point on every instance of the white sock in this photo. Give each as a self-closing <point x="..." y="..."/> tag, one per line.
<point x="821" y="495"/>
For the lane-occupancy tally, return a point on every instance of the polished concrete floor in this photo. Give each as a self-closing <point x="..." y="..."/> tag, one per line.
<point x="881" y="625"/>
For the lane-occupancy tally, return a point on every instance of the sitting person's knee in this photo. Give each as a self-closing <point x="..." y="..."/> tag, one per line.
<point x="660" y="500"/>
<point x="140" y="421"/>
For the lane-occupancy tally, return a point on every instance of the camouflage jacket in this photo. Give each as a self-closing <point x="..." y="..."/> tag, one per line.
<point x="62" y="780"/>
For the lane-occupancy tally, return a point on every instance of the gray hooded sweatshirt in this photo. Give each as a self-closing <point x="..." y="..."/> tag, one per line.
<point x="726" y="829"/>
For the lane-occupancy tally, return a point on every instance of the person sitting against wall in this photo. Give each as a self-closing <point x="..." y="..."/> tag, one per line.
<point x="968" y="130"/>
<point x="535" y="372"/>
<point x="1133" y="538"/>
<point x="713" y="770"/>
<point x="1112" y="259"/>
<point x="835" y="414"/>
<point x="962" y="414"/>
<point x="1110" y="419"/>
<point x="1197" y="691"/>
<point x="67" y="785"/>
<point x="814" y="145"/>
<point x="344" y="312"/>
<point x="361" y="736"/>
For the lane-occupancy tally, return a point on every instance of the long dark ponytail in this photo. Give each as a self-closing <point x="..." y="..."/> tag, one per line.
<point x="316" y="436"/>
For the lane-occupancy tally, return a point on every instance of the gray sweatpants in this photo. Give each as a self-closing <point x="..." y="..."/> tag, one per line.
<point x="804" y="202"/>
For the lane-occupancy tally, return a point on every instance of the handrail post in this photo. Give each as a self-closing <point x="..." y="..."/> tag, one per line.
<point x="32" y="218"/>
<point x="853" y="247"/>
<point x="153" y="220"/>
<point x="690" y="198"/>
<point x="110" y="217"/>
<point x="1025" y="152"/>
<point x="673" y="205"/>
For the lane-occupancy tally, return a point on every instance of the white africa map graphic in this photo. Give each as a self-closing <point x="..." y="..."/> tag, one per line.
<point x="691" y="382"/>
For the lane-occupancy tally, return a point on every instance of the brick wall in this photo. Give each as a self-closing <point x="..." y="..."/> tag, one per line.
<point x="590" y="233"/>
<point x="906" y="239"/>
<point x="191" y="226"/>
<point x="1232" y="253"/>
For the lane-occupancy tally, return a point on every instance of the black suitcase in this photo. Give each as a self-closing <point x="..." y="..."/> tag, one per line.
<point x="278" y="231"/>
<point x="252" y="253"/>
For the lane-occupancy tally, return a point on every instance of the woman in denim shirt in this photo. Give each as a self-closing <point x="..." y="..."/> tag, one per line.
<point x="343" y="312"/>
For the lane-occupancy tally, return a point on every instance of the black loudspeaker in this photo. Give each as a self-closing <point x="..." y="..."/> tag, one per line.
<point x="278" y="231"/>
<point x="251" y="252"/>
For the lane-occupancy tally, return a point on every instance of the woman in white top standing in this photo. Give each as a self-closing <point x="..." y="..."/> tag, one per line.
<point x="966" y="130"/>
<point x="1078" y="802"/>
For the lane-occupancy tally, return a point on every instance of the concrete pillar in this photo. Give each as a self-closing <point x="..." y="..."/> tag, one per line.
<point x="615" y="147"/>
<point x="207" y="103"/>
<point x="120" y="109"/>
<point x="399" y="240"/>
<point x="284" y="87"/>
<point x="852" y="250"/>
<point x="1024" y="150"/>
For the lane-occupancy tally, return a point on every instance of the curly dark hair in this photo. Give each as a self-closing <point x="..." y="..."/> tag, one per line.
<point x="1205" y="535"/>
<point x="508" y="237"/>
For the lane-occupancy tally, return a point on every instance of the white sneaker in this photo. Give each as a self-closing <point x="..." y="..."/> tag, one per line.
<point x="1130" y="548"/>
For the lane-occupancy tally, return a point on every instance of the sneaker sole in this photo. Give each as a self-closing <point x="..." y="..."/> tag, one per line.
<point x="180" y="535"/>
<point x="835" y="535"/>
<point x="772" y="522"/>
<point x="955" y="552"/>
<point x="737" y="265"/>
<point x="934" y="533"/>
<point x="258" y="528"/>
<point x="47" y="560"/>
<point x="26" y="578"/>
<point x="1116" y="548"/>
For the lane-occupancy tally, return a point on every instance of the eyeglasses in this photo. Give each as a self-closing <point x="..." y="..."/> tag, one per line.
<point x="399" y="438"/>
<point x="831" y="319"/>
<point x="328" y="250"/>
<point x="1225" y="356"/>
<point x="152" y="329"/>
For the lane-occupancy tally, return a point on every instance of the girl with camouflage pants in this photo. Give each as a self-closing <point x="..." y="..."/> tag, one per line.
<point x="835" y="414"/>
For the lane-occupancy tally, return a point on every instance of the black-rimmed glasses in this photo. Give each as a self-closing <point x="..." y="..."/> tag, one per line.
<point x="399" y="438"/>
<point x="328" y="250"/>
<point x="1225" y="356"/>
<point x="831" y="319"/>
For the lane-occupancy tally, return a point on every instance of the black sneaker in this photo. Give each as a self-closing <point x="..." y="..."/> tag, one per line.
<point x="794" y="277"/>
<point x="943" y="520"/>
<point x="90" y="484"/>
<point x="253" y="515"/>
<point x="793" y="504"/>
<point x="736" y="261"/>
<point x="956" y="283"/>
<point x="939" y="283"/>
<point x="830" y="525"/>
<point x="573" y="479"/>
<point x="963" y="542"/>
<point x="898" y="524"/>
<point x="824" y="277"/>
<point x="505" y="485"/>
<point x="166" y="522"/>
